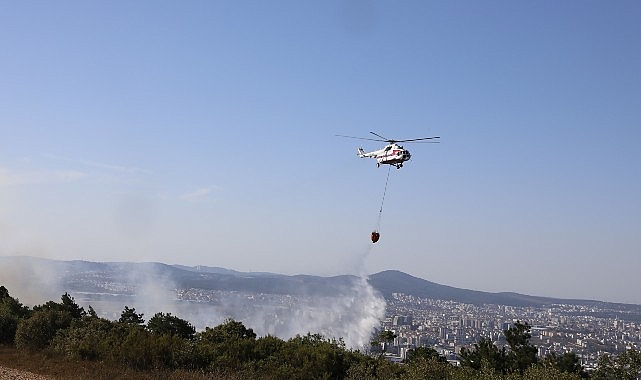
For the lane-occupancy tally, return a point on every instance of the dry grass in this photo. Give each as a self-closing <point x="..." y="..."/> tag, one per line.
<point x="56" y="367"/>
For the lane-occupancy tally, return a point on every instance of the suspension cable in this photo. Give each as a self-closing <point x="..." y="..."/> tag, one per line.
<point x="380" y="212"/>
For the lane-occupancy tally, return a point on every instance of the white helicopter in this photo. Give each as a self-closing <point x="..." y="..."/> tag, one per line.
<point x="392" y="154"/>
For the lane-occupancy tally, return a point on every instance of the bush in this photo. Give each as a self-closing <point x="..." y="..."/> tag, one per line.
<point x="168" y="324"/>
<point x="37" y="332"/>
<point x="89" y="339"/>
<point x="8" y="326"/>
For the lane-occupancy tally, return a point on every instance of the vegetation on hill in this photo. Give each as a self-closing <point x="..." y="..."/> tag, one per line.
<point x="169" y="345"/>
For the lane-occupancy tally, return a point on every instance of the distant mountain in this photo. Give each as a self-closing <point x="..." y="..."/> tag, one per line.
<point x="122" y="277"/>
<point x="391" y="281"/>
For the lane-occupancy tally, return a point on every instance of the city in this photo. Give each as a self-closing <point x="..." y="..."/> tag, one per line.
<point x="447" y="326"/>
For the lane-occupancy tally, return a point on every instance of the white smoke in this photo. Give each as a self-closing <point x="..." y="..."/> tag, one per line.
<point x="351" y="314"/>
<point x="154" y="291"/>
<point x="32" y="281"/>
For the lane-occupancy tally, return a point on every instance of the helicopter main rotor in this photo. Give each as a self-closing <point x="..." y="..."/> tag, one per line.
<point x="392" y="141"/>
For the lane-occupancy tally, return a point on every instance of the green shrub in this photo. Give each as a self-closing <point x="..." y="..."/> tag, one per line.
<point x="8" y="325"/>
<point x="36" y="332"/>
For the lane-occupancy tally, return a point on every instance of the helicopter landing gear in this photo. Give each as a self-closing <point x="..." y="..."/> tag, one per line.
<point x="378" y="165"/>
<point x="398" y="166"/>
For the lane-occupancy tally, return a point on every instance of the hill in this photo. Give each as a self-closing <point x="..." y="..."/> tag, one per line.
<point x="123" y="277"/>
<point x="391" y="281"/>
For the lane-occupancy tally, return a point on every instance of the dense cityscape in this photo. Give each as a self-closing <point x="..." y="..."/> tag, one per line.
<point x="447" y="326"/>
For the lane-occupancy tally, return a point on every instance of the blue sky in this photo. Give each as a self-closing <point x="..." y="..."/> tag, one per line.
<point x="204" y="133"/>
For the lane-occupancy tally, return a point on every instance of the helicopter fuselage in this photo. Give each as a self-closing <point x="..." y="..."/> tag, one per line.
<point x="392" y="154"/>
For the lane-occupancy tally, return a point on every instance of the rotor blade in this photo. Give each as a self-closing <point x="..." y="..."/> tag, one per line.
<point x="360" y="138"/>
<point x="384" y="138"/>
<point x="424" y="138"/>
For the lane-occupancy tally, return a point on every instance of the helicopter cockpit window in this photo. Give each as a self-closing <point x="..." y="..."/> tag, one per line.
<point x="388" y="148"/>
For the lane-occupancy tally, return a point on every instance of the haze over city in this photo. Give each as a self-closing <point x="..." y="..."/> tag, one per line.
<point x="204" y="134"/>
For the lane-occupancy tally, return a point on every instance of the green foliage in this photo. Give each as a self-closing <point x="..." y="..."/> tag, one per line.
<point x="12" y="305"/>
<point x="387" y="336"/>
<point x="8" y="325"/>
<point x="37" y="331"/>
<point x="485" y="351"/>
<point x="522" y="354"/>
<point x="486" y="355"/>
<point x="89" y="339"/>
<point x="383" y="338"/>
<point x="426" y="353"/>
<point x="129" y="316"/>
<point x="167" y="324"/>
<point x="538" y="372"/>
<point x="10" y="311"/>
<point x="143" y="350"/>
<point x="368" y="368"/>
<point x="230" y="330"/>
<point x="428" y="367"/>
<point x="67" y="305"/>
<point x="624" y="366"/>
<point x="91" y="312"/>
<point x="312" y="354"/>
<point x="568" y="362"/>
<point x="125" y="344"/>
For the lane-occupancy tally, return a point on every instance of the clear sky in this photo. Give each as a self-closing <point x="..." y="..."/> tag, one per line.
<point x="203" y="132"/>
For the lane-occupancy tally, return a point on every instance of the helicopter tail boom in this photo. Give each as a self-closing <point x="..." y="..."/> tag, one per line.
<point x="362" y="154"/>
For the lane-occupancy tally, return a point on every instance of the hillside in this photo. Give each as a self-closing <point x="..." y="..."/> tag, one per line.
<point x="123" y="277"/>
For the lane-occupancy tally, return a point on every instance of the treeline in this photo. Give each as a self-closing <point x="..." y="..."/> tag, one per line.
<point x="166" y="342"/>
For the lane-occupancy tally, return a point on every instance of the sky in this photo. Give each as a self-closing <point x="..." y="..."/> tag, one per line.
<point x="204" y="133"/>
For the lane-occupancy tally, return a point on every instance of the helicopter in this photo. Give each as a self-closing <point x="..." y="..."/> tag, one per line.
<point x="391" y="154"/>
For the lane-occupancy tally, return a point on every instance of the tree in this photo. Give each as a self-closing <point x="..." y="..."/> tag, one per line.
<point x="231" y="345"/>
<point x="625" y="366"/>
<point x="10" y="313"/>
<point x="230" y="330"/>
<point x="368" y="368"/>
<point x="129" y="316"/>
<point x="68" y="305"/>
<point x="383" y="339"/>
<point x="568" y="362"/>
<point x="314" y="354"/>
<point x="428" y="369"/>
<point x="426" y="353"/>
<point x="91" y="338"/>
<point x="541" y="371"/>
<point x="168" y="324"/>
<point x="485" y="351"/>
<point x="12" y="305"/>
<point x="37" y="331"/>
<point x="8" y="325"/>
<point x="92" y="313"/>
<point x="522" y="354"/>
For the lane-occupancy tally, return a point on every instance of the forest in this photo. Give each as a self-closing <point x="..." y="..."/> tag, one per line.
<point x="168" y="344"/>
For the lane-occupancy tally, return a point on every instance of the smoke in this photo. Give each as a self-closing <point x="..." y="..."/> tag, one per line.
<point x="155" y="290"/>
<point x="32" y="281"/>
<point x="351" y="311"/>
<point x="351" y="315"/>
